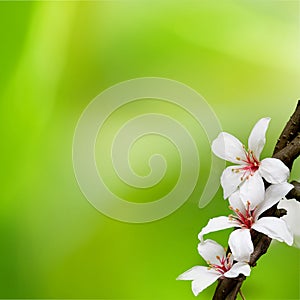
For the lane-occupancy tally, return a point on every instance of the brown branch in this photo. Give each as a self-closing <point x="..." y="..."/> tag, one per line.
<point x="228" y="287"/>
<point x="261" y="247"/>
<point x="237" y="287"/>
<point x="290" y="130"/>
<point x="287" y="150"/>
<point x="290" y="152"/>
<point x="295" y="192"/>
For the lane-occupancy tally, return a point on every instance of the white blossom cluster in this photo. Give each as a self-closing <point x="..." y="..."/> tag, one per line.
<point x="244" y="188"/>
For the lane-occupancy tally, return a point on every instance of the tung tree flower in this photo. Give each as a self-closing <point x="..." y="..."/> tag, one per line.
<point x="292" y="207"/>
<point x="250" y="169"/>
<point x="219" y="265"/>
<point x="246" y="217"/>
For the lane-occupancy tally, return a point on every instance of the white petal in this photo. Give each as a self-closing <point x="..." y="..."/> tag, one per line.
<point x="202" y="278"/>
<point x="274" y="194"/>
<point x="274" y="170"/>
<point x="193" y="273"/>
<point x="274" y="228"/>
<point x="241" y="244"/>
<point x="238" y="268"/>
<point x="216" y="224"/>
<point x="209" y="250"/>
<point x="230" y="180"/>
<point x="257" y="138"/>
<point x="227" y="147"/>
<point x="253" y="190"/>
<point x="199" y="285"/>
<point x="236" y="202"/>
<point x="292" y="218"/>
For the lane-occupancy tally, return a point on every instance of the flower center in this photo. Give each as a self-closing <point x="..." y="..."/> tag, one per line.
<point x="246" y="219"/>
<point x="251" y="164"/>
<point x="224" y="264"/>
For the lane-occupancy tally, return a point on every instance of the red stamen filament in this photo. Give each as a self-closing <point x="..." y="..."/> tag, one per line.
<point x="224" y="265"/>
<point x="252" y="164"/>
<point x="246" y="219"/>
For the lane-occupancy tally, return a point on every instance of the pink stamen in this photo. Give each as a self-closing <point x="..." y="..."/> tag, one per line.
<point x="252" y="164"/>
<point x="246" y="219"/>
<point x="224" y="264"/>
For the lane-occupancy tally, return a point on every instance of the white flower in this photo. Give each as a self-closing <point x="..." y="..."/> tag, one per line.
<point x="292" y="218"/>
<point x="220" y="265"/>
<point x="250" y="169"/>
<point x="247" y="217"/>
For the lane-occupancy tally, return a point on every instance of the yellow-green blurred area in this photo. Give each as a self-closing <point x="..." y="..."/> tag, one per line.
<point x="55" y="57"/>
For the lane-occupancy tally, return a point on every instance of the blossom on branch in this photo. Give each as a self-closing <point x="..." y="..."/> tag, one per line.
<point x="248" y="173"/>
<point x="247" y="217"/>
<point x="244" y="186"/>
<point x="220" y="265"/>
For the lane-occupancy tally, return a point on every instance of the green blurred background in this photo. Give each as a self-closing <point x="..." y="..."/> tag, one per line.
<point x="242" y="56"/>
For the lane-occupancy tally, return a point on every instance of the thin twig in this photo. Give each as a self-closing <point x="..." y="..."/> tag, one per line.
<point x="242" y="296"/>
